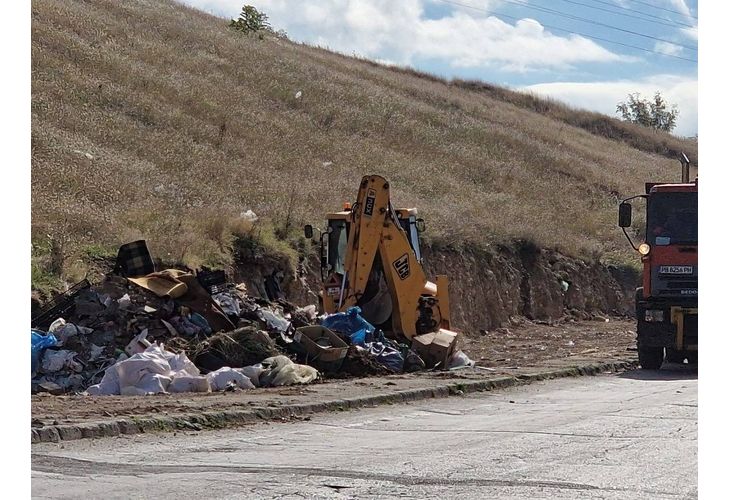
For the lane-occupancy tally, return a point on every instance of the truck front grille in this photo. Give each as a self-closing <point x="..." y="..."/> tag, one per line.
<point x="674" y="285"/>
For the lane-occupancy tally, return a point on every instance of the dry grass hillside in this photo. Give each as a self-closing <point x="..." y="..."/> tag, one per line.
<point x="154" y="120"/>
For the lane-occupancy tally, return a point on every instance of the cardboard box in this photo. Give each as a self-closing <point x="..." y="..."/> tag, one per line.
<point x="324" y="349"/>
<point x="421" y="344"/>
<point x="435" y="348"/>
<point x="443" y="347"/>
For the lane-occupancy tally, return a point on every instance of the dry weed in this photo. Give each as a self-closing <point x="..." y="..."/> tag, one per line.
<point x="151" y="119"/>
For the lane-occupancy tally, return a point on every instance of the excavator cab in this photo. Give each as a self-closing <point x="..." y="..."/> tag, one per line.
<point x="333" y="241"/>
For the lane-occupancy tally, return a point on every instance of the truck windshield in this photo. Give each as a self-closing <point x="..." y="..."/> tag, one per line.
<point x="337" y="246"/>
<point x="672" y="219"/>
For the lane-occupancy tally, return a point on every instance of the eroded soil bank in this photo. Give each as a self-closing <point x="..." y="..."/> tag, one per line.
<point x="488" y="288"/>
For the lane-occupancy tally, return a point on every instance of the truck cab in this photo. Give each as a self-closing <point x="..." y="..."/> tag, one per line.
<point x="666" y="303"/>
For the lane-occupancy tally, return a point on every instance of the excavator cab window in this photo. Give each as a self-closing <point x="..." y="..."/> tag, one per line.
<point x="336" y="246"/>
<point x="409" y="226"/>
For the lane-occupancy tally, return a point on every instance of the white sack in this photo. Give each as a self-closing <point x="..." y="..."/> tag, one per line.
<point x="220" y="379"/>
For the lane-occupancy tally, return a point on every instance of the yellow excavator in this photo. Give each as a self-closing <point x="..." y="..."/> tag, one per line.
<point x="371" y="258"/>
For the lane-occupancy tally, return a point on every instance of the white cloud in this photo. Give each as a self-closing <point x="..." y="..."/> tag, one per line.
<point x="667" y="48"/>
<point x="692" y="33"/>
<point x="400" y="32"/>
<point x="603" y="96"/>
<point x="681" y="6"/>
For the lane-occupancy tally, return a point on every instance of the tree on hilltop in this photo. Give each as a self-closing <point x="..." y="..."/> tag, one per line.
<point x="653" y="113"/>
<point x="251" y="20"/>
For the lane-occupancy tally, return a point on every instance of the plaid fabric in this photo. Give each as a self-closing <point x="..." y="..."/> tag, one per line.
<point x="134" y="259"/>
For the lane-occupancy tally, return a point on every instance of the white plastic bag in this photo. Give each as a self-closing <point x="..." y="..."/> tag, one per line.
<point x="252" y="372"/>
<point x="273" y="320"/>
<point x="54" y="361"/>
<point x="460" y="360"/>
<point x="150" y="372"/>
<point x="190" y="383"/>
<point x="280" y="370"/>
<point x="221" y="378"/>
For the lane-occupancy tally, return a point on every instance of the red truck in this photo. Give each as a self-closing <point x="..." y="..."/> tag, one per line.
<point x="666" y="303"/>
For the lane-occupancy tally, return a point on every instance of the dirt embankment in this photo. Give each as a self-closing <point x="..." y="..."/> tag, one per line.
<point x="488" y="288"/>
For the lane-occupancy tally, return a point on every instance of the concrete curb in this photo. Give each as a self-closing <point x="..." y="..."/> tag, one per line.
<point x="222" y="419"/>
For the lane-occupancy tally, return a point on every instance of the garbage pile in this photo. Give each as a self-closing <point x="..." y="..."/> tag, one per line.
<point x="142" y="331"/>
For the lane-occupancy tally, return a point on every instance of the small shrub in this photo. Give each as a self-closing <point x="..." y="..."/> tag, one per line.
<point x="251" y="20"/>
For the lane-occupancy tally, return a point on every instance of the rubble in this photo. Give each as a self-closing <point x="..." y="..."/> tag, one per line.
<point x="360" y="363"/>
<point x="222" y="338"/>
<point x="242" y="347"/>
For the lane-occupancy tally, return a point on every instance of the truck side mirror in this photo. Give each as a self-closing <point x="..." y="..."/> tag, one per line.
<point x="308" y="232"/>
<point x="420" y="225"/>
<point x="624" y="215"/>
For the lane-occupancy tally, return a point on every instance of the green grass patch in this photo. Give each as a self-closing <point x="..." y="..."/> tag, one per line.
<point x="99" y="252"/>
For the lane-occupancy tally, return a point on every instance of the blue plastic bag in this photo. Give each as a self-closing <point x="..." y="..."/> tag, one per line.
<point x="351" y="323"/>
<point x="39" y="341"/>
<point x="387" y="354"/>
<point x="200" y="321"/>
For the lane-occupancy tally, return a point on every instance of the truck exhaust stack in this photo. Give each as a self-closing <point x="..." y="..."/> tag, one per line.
<point x="685" y="168"/>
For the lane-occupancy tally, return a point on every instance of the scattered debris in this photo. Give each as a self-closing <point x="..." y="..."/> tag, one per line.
<point x="460" y="360"/>
<point x="360" y="363"/>
<point x="39" y="342"/>
<point x="321" y="347"/>
<point x="54" y="361"/>
<point x="274" y="320"/>
<point x="144" y="331"/>
<point x="242" y="347"/>
<point x="249" y="215"/>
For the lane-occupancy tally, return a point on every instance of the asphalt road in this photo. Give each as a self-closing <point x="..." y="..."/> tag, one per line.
<point x="632" y="435"/>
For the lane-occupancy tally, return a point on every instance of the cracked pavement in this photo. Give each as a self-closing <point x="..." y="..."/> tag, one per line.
<point x="632" y="435"/>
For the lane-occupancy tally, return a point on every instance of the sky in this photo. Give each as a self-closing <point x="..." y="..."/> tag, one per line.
<point x="588" y="53"/>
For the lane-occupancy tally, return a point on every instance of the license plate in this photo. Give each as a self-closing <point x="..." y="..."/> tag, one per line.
<point x="675" y="269"/>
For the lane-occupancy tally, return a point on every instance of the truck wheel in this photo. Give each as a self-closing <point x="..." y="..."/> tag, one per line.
<point x="651" y="358"/>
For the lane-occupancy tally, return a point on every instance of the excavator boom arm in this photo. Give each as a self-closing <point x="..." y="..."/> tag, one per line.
<point x="375" y="230"/>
